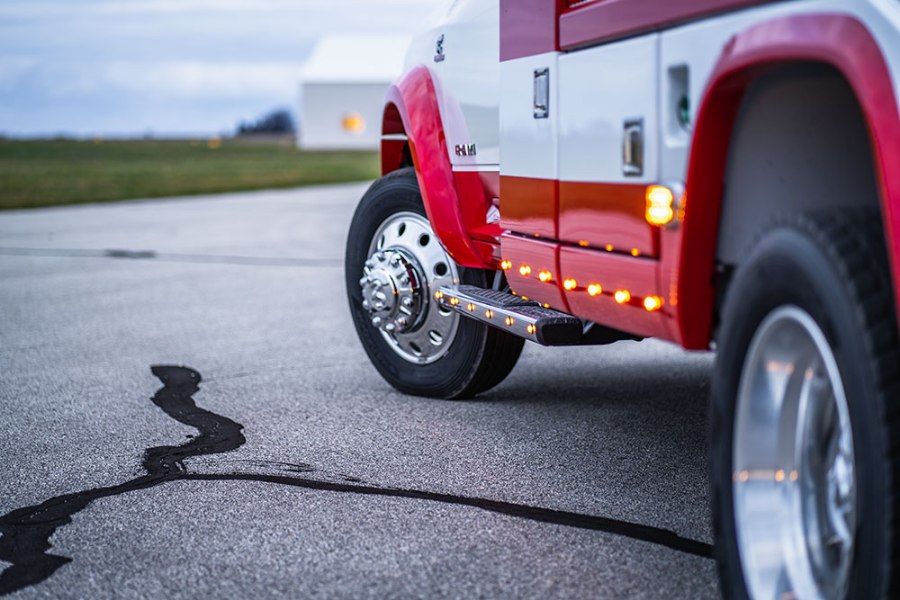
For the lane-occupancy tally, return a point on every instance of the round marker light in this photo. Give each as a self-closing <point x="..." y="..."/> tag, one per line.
<point x="659" y="205"/>
<point x="652" y="303"/>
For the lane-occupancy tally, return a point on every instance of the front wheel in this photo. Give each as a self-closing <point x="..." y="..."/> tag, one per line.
<point x="393" y="265"/>
<point x="804" y="416"/>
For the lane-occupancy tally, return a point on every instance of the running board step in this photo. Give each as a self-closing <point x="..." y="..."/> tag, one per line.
<point x="524" y="318"/>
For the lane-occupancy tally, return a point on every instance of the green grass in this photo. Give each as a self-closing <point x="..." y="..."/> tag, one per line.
<point x="51" y="172"/>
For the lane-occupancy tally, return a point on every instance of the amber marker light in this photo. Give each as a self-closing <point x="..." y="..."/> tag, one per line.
<point x="525" y="270"/>
<point x="608" y="247"/>
<point x="594" y="289"/>
<point x="454" y="301"/>
<point x="622" y="296"/>
<point x="545" y="276"/>
<point x="583" y="243"/>
<point x="506" y="265"/>
<point x="531" y="328"/>
<point x="489" y="314"/>
<point x="659" y="205"/>
<point x="438" y="295"/>
<point x="570" y="284"/>
<point x="652" y="303"/>
<point x="509" y="321"/>
<point x="635" y="252"/>
<point x="470" y="307"/>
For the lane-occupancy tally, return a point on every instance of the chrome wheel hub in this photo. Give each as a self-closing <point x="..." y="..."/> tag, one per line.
<point x="392" y="292"/>
<point x="406" y="264"/>
<point x="795" y="501"/>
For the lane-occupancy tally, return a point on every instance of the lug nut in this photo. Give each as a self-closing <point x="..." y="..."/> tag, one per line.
<point x="366" y="305"/>
<point x="390" y="327"/>
<point x="402" y="322"/>
<point x="407" y="302"/>
<point x="376" y="321"/>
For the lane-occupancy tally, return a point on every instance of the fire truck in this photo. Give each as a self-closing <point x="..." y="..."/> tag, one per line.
<point x="720" y="174"/>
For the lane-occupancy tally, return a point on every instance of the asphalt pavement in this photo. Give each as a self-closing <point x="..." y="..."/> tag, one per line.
<point x="185" y="412"/>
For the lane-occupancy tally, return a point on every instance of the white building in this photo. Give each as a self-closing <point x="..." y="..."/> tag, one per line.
<point x="342" y="90"/>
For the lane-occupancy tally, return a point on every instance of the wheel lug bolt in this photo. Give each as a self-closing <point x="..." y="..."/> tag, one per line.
<point x="376" y="321"/>
<point x="407" y="302"/>
<point x="402" y="322"/>
<point x="390" y="327"/>
<point x="366" y="305"/>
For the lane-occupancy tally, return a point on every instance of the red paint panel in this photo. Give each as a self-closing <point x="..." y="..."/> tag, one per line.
<point x="835" y="39"/>
<point x="596" y="22"/>
<point x="529" y="205"/>
<point x="474" y="201"/>
<point x="606" y="213"/>
<point x="416" y="103"/>
<point x="539" y="256"/>
<point x="528" y="27"/>
<point x="614" y="272"/>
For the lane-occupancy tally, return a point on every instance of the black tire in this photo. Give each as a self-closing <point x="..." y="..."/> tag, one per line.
<point x="478" y="358"/>
<point x="834" y="267"/>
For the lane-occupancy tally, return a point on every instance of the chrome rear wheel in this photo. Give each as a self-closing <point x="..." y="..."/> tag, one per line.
<point x="804" y="415"/>
<point x="794" y="486"/>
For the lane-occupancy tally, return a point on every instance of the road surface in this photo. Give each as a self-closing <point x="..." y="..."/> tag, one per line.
<point x="186" y="412"/>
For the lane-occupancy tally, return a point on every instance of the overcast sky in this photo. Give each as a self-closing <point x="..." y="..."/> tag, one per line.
<point x="183" y="67"/>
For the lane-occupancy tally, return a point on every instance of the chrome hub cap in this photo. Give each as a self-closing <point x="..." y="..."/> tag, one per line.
<point x="793" y="467"/>
<point x="392" y="292"/>
<point x="406" y="263"/>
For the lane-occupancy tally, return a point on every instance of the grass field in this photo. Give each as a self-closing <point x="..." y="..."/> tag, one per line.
<point x="50" y="172"/>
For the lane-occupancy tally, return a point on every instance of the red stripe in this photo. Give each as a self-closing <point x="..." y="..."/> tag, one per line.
<point x="528" y="27"/>
<point x="605" y="20"/>
<point x="602" y="214"/>
<point x="529" y="205"/>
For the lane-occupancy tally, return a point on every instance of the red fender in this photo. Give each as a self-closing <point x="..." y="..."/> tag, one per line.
<point x="835" y="39"/>
<point x="413" y="101"/>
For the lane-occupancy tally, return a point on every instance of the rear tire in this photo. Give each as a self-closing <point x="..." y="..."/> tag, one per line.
<point x="804" y="415"/>
<point x="462" y="357"/>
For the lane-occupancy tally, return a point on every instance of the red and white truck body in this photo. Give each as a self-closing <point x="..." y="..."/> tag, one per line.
<point x="566" y="204"/>
<point x="716" y="173"/>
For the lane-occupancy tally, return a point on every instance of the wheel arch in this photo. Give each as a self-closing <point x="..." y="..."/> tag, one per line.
<point x="827" y="45"/>
<point x="413" y="133"/>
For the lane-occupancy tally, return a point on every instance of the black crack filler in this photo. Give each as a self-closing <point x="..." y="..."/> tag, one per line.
<point x="25" y="532"/>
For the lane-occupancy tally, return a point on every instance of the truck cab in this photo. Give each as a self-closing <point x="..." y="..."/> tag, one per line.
<point x="720" y="174"/>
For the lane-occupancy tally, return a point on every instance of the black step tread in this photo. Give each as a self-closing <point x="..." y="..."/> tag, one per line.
<point x="495" y="297"/>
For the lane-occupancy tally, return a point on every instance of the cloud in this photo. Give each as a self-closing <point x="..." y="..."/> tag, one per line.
<point x="201" y="80"/>
<point x="63" y="64"/>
